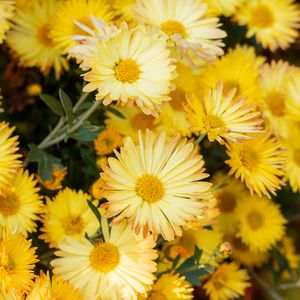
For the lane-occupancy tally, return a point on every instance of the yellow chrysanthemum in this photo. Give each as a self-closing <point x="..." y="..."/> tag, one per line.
<point x="261" y="223"/>
<point x="227" y="282"/>
<point x="9" y="159"/>
<point x="156" y="184"/>
<point x="7" y="8"/>
<point x="185" y="25"/>
<point x="17" y="259"/>
<point x="258" y="162"/>
<point x="288" y="250"/>
<point x="128" y="66"/>
<point x="293" y="90"/>
<point x="117" y="268"/>
<point x="221" y="7"/>
<point x="274" y="23"/>
<point x="20" y="203"/>
<point x="220" y="117"/>
<point x="237" y="69"/>
<point x="68" y="214"/>
<point x="125" y="9"/>
<point x="30" y="38"/>
<point x="171" y="287"/>
<point x="98" y="189"/>
<point x="21" y="4"/>
<point x="64" y="28"/>
<point x="276" y="102"/>
<point x="107" y="140"/>
<point x="55" y="183"/>
<point x="46" y="288"/>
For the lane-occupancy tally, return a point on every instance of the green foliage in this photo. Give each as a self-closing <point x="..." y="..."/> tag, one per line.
<point x="53" y="104"/>
<point x="67" y="105"/>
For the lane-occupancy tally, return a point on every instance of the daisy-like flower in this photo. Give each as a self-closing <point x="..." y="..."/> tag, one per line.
<point x="7" y="8"/>
<point x="9" y="159"/>
<point x="227" y="282"/>
<point x="156" y="184"/>
<point x="221" y="7"/>
<point x="17" y="259"/>
<point x="46" y="288"/>
<point x="259" y="162"/>
<point x="29" y="38"/>
<point x="261" y="223"/>
<point x="120" y="267"/>
<point x="67" y="215"/>
<point x="220" y="117"/>
<point x="125" y="9"/>
<point x="64" y="26"/>
<point x="171" y="287"/>
<point x="288" y="250"/>
<point x="185" y="25"/>
<point x="129" y="66"/>
<point x="274" y="23"/>
<point x="20" y="203"/>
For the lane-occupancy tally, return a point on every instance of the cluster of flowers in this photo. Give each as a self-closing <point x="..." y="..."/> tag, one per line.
<point x="160" y="64"/>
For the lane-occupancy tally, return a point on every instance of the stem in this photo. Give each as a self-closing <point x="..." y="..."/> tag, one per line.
<point x="199" y="139"/>
<point x="80" y="101"/>
<point x="289" y="285"/>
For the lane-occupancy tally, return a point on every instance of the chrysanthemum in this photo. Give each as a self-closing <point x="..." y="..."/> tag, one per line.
<point x="171" y="287"/>
<point x="30" y="39"/>
<point x="117" y="268"/>
<point x="20" y="203"/>
<point x="275" y="101"/>
<point x="68" y="214"/>
<point x="17" y="259"/>
<point x="237" y="69"/>
<point x="46" y="288"/>
<point x="125" y="9"/>
<point x="261" y="223"/>
<point x="64" y="28"/>
<point x="259" y="162"/>
<point x="6" y="13"/>
<point x="288" y="250"/>
<point x="220" y="117"/>
<point x="98" y="189"/>
<point x="107" y="140"/>
<point x="55" y="183"/>
<point x="9" y="159"/>
<point x="221" y="7"/>
<point x="156" y="184"/>
<point x="293" y="90"/>
<point x="274" y="23"/>
<point x="185" y="25"/>
<point x="130" y="66"/>
<point x="227" y="282"/>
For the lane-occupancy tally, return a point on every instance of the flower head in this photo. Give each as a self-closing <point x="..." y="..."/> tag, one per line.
<point x="7" y="8"/>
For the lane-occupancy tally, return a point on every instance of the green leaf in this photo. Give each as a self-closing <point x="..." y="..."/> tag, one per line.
<point x="67" y="106"/>
<point x="193" y="276"/>
<point x="95" y="211"/>
<point x="87" y="134"/>
<point x="197" y="254"/>
<point x="175" y="262"/>
<point x="115" y="111"/>
<point x="52" y="103"/>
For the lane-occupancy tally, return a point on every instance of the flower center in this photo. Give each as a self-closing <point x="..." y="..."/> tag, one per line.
<point x="72" y="225"/>
<point x="297" y="157"/>
<point x="262" y="16"/>
<point x="226" y="201"/>
<point x="149" y="188"/>
<point x="105" y="257"/>
<point x="172" y="27"/>
<point x="44" y="37"/>
<point x="177" y="97"/>
<point x="127" y="71"/>
<point x="277" y="104"/>
<point x="212" y="122"/>
<point x="155" y="295"/>
<point x="9" y="204"/>
<point x="6" y="262"/>
<point x="255" y="219"/>
<point x="142" y="121"/>
<point x="249" y="158"/>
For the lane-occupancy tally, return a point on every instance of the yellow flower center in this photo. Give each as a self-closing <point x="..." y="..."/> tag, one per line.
<point x="297" y="157"/>
<point x="43" y="36"/>
<point x="226" y="201"/>
<point x="6" y="262"/>
<point x="149" y="188"/>
<point x="277" y="104"/>
<point x="177" y="97"/>
<point x="142" y="121"/>
<point x="156" y="295"/>
<point x="262" y="16"/>
<point x="9" y="204"/>
<point x="249" y="158"/>
<point x="211" y="122"/>
<point x="105" y="257"/>
<point x="255" y="219"/>
<point x="72" y="225"/>
<point x="173" y="27"/>
<point x="127" y="71"/>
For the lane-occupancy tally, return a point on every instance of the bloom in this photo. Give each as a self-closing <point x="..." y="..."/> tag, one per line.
<point x="217" y="115"/>
<point x="227" y="282"/>
<point x="55" y="183"/>
<point x="117" y="268"/>
<point x="259" y="162"/>
<point x="220" y="7"/>
<point x="6" y="13"/>
<point x="274" y="23"/>
<point x="261" y="223"/>
<point x="128" y="66"/>
<point x="20" y="203"/>
<point x="68" y="214"/>
<point x="155" y="184"/>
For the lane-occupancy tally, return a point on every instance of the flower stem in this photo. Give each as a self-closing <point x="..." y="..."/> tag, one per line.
<point x="199" y="139"/>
